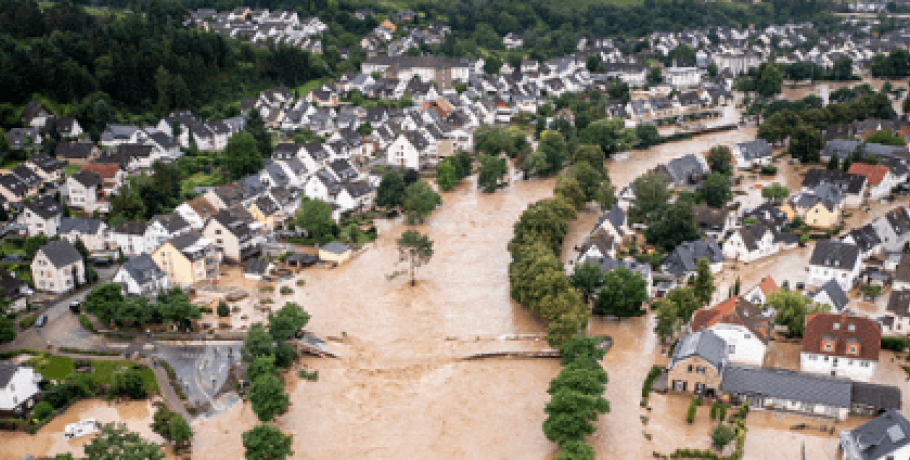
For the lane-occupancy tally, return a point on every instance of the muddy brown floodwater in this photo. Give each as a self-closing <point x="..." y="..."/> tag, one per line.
<point x="401" y="389"/>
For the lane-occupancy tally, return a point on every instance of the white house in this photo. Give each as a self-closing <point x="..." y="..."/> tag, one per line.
<point x="841" y="345"/>
<point x="57" y="267"/>
<point x="834" y="260"/>
<point x="406" y="151"/>
<point x="759" y="293"/>
<point x="42" y="216"/>
<point x="743" y="327"/>
<point x="133" y="238"/>
<point x="141" y="276"/>
<point x="83" y="191"/>
<point x="682" y="77"/>
<point x="748" y="244"/>
<point x="18" y="387"/>
<point x="92" y="232"/>
<point x="752" y="153"/>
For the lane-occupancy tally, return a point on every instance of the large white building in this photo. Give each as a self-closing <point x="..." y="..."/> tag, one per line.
<point x="841" y="345"/>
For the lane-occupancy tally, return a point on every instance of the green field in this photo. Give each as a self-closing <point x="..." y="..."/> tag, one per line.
<point x="201" y="180"/>
<point x="61" y="367"/>
<point x="69" y="170"/>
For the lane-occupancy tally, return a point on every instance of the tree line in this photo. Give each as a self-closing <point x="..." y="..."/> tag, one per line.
<point x="102" y="69"/>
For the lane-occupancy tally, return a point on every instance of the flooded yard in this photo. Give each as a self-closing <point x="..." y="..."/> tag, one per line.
<point x="49" y="441"/>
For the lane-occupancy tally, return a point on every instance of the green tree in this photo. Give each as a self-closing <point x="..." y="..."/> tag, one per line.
<point x="267" y="397"/>
<point x="171" y="426"/>
<point x="115" y="442"/>
<point x="7" y="329"/>
<point x="570" y="415"/>
<point x="261" y="365"/>
<point x="176" y="307"/>
<point x="576" y="450"/>
<point x="647" y="134"/>
<point x="553" y="147"/>
<point x="582" y="350"/>
<point x="315" y="216"/>
<point x="608" y="133"/>
<point x="719" y="159"/>
<point x="886" y="137"/>
<point x="806" y="144"/>
<point x="792" y="309"/>
<point x="703" y="286"/>
<point x="672" y="225"/>
<point x="623" y="294"/>
<point x="721" y="436"/>
<point x="390" y="193"/>
<point x="768" y="80"/>
<point x="587" y="279"/>
<point x="223" y="309"/>
<point x="686" y="302"/>
<point x="104" y="301"/>
<point x="594" y="63"/>
<point x="667" y="321"/>
<point x="492" y="171"/>
<point x="255" y="126"/>
<point x="33" y="243"/>
<point x="241" y="156"/>
<point x="716" y="190"/>
<point x="285" y="323"/>
<point x="833" y="163"/>
<point x="712" y="70"/>
<point x="655" y="76"/>
<point x="905" y="106"/>
<point x="419" y="202"/>
<point x="445" y="176"/>
<point x="651" y="195"/>
<point x="128" y="383"/>
<point x="258" y="342"/>
<point x="492" y="64"/>
<point x="416" y="250"/>
<point x="266" y="443"/>
<point x="570" y="190"/>
<point x="775" y="193"/>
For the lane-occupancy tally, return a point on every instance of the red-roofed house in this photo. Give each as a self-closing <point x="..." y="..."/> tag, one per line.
<point x="841" y="345"/>
<point x="758" y="295"/>
<point x="742" y="326"/>
<point x="111" y="176"/>
<point x="879" y="178"/>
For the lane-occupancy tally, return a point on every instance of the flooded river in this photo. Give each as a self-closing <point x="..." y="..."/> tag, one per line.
<point x="401" y="388"/>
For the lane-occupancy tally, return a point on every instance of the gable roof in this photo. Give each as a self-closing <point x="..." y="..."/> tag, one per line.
<point x="758" y="148"/>
<point x="787" y="384"/>
<point x="878" y="396"/>
<point x="88" y="179"/>
<point x="735" y="310"/>
<point x="899" y="303"/>
<point x="846" y="182"/>
<point x="105" y="171"/>
<point x="143" y="269"/>
<point x="705" y="344"/>
<point x="61" y="253"/>
<point x="873" y="173"/>
<point x="879" y="437"/>
<point x="202" y="207"/>
<point x="825" y="326"/>
<point x="83" y="226"/>
<point x="74" y="150"/>
<point x="130" y="228"/>
<point x="14" y="185"/>
<point x="172" y="222"/>
<point x="45" y="207"/>
<point x="835" y="254"/>
<point x="684" y="258"/>
<point x="834" y="292"/>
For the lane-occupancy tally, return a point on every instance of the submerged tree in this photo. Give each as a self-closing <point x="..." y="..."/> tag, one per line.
<point x="416" y="250"/>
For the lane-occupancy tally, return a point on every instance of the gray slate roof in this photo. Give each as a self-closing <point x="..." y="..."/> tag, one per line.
<point x="84" y="226"/>
<point x="61" y="253"/>
<point x="7" y="371"/>
<point x="787" y="384"/>
<point x="706" y="344"/>
<point x="335" y="248"/>
<point x="835" y="293"/>
<point x="881" y="436"/>
<point x="684" y="259"/>
<point x="143" y="269"/>
<point x="835" y="254"/>
<point x="752" y="150"/>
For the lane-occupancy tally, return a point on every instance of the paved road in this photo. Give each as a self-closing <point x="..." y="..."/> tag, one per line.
<point x="62" y="328"/>
<point x="201" y="368"/>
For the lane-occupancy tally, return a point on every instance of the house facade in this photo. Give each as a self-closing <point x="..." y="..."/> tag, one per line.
<point x="841" y="346"/>
<point x="697" y="364"/>
<point x="57" y="268"/>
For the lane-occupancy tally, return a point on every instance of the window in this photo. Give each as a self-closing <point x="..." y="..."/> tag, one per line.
<point x="828" y="346"/>
<point x="700" y="370"/>
<point x="690" y="368"/>
<point x="731" y="349"/>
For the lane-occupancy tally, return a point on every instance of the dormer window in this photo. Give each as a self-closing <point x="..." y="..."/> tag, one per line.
<point x="828" y="346"/>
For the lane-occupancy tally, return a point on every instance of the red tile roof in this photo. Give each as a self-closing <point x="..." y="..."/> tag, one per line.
<point x="767" y="285"/>
<point x="822" y="325"/>
<point x="734" y="310"/>
<point x="106" y="171"/>
<point x="874" y="173"/>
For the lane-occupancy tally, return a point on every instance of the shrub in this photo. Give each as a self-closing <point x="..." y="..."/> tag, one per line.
<point x="693" y="407"/>
<point x="721" y="436"/>
<point x="652" y="374"/>
<point x="714" y="411"/>
<point x="894" y="343"/>
<point x="769" y="170"/>
<point x="722" y="411"/>
<point x="286" y="290"/>
<point x="223" y="309"/>
<point x="311" y="376"/>
<point x="86" y="323"/>
<point x="28" y="321"/>
<point x="301" y="282"/>
<point x="42" y="410"/>
<point x="205" y="309"/>
<point x="267" y="289"/>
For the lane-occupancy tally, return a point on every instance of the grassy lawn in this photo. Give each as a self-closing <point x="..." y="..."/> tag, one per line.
<point x="69" y="170"/>
<point x="305" y="88"/>
<point x="60" y="367"/>
<point x="201" y="180"/>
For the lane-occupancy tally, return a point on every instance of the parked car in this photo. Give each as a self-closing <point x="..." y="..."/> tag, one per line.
<point x="75" y="306"/>
<point x="42" y="320"/>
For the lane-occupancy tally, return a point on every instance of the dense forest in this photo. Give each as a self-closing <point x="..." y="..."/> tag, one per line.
<point x="102" y="68"/>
